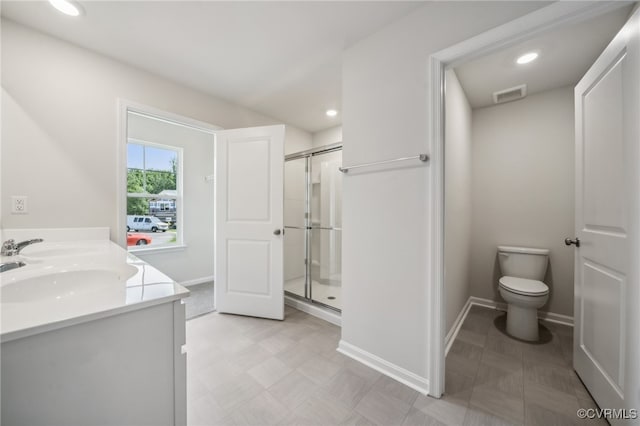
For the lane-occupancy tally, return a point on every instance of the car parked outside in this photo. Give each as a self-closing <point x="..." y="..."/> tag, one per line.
<point x="137" y="239"/>
<point x="145" y="223"/>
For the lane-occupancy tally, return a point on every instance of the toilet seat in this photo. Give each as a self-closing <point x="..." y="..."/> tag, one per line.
<point x="523" y="286"/>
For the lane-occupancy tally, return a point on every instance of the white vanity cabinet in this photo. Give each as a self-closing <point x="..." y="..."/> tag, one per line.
<point x="89" y="335"/>
<point x="122" y="369"/>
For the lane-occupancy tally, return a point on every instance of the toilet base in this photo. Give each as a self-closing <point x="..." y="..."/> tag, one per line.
<point x="522" y="323"/>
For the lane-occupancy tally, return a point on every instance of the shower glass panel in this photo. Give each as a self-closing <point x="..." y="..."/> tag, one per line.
<point x="326" y="228"/>
<point x="295" y="234"/>
<point x="313" y="226"/>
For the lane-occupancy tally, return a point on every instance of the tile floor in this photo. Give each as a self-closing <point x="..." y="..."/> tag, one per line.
<point x="248" y="371"/>
<point x="200" y="300"/>
<point x="492" y="379"/>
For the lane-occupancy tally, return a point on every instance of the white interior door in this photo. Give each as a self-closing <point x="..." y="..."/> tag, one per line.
<point x="607" y="298"/>
<point x="249" y="221"/>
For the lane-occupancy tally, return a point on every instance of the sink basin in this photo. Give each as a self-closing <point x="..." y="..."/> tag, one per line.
<point x="57" y="250"/>
<point x="64" y="285"/>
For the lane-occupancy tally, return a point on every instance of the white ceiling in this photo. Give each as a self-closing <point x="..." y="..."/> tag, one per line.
<point x="565" y="55"/>
<point x="282" y="59"/>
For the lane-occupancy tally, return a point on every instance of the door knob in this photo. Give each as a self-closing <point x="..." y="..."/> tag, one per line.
<point x="569" y="241"/>
<point x="277" y="232"/>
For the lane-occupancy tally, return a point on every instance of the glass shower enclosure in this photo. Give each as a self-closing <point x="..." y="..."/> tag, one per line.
<point x="313" y="226"/>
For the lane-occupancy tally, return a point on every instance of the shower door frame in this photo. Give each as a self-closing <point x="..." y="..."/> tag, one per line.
<point x="308" y="228"/>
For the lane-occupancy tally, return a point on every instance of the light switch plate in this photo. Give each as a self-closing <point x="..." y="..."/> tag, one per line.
<point x="19" y="204"/>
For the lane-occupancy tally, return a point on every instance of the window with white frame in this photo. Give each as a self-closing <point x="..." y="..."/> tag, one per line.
<point x="154" y="197"/>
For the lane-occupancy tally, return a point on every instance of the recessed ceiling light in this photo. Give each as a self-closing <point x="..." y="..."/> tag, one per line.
<point x="527" y="57"/>
<point x="68" y="7"/>
<point x="332" y="112"/>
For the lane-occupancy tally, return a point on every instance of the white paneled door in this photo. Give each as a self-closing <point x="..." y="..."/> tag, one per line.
<point x="607" y="296"/>
<point x="249" y="221"/>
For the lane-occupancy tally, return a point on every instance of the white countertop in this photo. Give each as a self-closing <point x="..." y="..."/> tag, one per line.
<point x="70" y="282"/>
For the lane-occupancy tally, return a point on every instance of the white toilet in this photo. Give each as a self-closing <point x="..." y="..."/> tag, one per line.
<point x="522" y="288"/>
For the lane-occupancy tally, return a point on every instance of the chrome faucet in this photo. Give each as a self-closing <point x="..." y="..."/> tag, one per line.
<point x="4" y="267"/>
<point x="11" y="248"/>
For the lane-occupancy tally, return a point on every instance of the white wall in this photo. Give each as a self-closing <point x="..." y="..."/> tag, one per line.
<point x="457" y="202"/>
<point x="386" y="210"/>
<point x="327" y="136"/>
<point x="523" y="180"/>
<point x="60" y="127"/>
<point x="295" y="140"/>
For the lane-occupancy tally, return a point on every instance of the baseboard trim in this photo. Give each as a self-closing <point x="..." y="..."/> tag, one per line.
<point x="197" y="281"/>
<point x="500" y="306"/>
<point x="316" y="311"/>
<point x="385" y="367"/>
<point x="543" y="315"/>
<point x="455" y="328"/>
<point x="557" y="318"/>
<point x="487" y="303"/>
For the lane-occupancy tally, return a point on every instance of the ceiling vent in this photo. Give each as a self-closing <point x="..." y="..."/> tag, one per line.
<point x="508" y="95"/>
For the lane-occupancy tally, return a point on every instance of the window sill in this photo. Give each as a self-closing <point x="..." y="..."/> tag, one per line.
<point x="160" y="249"/>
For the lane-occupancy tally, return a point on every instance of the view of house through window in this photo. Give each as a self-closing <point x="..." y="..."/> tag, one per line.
<point x="153" y="197"/>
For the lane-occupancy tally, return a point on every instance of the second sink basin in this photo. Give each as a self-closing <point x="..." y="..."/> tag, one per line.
<point x="48" y="250"/>
<point x="65" y="284"/>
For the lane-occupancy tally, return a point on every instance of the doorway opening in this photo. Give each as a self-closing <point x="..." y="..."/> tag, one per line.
<point x="537" y="24"/>
<point x="166" y="200"/>
<point x="313" y="226"/>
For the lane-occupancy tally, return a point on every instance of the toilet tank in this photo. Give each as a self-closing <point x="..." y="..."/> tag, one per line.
<point x="523" y="262"/>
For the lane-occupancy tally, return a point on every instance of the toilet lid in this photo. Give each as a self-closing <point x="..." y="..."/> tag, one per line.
<point x="524" y="286"/>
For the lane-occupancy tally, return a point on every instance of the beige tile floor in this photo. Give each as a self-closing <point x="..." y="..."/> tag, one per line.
<point x="497" y="380"/>
<point x="248" y="371"/>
